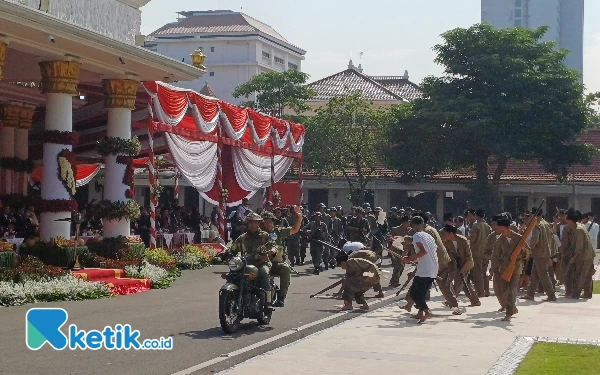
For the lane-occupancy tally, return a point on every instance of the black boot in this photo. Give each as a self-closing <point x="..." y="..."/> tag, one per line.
<point x="278" y="303"/>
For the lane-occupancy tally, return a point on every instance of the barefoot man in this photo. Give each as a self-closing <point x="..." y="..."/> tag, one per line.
<point x="361" y="275"/>
<point x="427" y="267"/>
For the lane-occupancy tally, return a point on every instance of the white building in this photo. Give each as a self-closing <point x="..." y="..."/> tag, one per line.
<point x="237" y="47"/>
<point x="564" y="17"/>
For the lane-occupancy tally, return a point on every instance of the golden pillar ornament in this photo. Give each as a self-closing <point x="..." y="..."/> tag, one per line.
<point x="198" y="59"/>
<point x="3" y="48"/>
<point x="119" y="93"/>
<point x="60" y="77"/>
<point x="10" y="115"/>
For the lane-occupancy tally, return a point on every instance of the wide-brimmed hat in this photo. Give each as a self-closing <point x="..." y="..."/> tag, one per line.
<point x="268" y="216"/>
<point x="316" y="214"/>
<point x="253" y="216"/>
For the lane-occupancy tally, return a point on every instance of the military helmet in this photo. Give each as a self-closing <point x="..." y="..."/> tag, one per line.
<point x="253" y="216"/>
<point x="268" y="216"/>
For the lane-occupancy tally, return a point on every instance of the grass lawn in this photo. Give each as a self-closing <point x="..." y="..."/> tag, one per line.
<point x="596" y="287"/>
<point x="560" y="359"/>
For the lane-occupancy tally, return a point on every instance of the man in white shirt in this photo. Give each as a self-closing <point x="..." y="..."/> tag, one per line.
<point x="427" y="267"/>
<point x="592" y="228"/>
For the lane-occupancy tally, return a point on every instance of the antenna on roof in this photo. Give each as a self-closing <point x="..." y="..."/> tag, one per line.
<point x="360" y="55"/>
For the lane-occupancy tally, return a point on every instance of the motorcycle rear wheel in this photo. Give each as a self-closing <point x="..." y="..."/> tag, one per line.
<point x="229" y="312"/>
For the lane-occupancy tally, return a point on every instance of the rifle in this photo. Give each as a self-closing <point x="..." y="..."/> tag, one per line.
<point x="328" y="288"/>
<point x="531" y="223"/>
<point x="410" y="277"/>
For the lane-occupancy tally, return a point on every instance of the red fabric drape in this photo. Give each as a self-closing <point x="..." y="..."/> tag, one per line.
<point x="207" y="108"/>
<point x="172" y="102"/>
<point x="289" y="192"/>
<point x="237" y="116"/>
<point x="236" y="193"/>
<point x="83" y="172"/>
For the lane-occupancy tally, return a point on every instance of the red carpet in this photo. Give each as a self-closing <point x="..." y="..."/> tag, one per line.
<point x="118" y="284"/>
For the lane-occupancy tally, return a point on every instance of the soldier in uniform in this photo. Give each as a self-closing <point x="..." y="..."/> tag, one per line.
<point x="358" y="227"/>
<point x="251" y="245"/>
<point x="278" y="235"/>
<point x="402" y="230"/>
<point x="361" y="275"/>
<point x="336" y="232"/>
<point x="540" y="242"/>
<point x="280" y="218"/>
<point x="478" y="234"/>
<point x="393" y="218"/>
<point x="582" y="259"/>
<point x="458" y="249"/>
<point x="371" y="257"/>
<point x="566" y="234"/>
<point x="317" y="230"/>
<point x="501" y="256"/>
<point x="294" y="241"/>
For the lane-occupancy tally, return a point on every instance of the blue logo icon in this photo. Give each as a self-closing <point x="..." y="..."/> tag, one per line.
<point x="43" y="325"/>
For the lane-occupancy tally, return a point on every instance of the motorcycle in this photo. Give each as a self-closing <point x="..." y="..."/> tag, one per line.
<point x="241" y="296"/>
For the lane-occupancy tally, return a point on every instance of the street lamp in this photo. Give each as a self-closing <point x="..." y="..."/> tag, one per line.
<point x="198" y="59"/>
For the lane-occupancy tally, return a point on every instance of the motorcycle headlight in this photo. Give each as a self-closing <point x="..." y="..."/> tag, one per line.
<point x="235" y="264"/>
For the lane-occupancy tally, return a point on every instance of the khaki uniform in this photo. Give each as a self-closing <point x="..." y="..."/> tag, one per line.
<point x="477" y="236"/>
<point x="278" y="266"/>
<point x="397" y="262"/>
<point x="369" y="255"/>
<point x="540" y="245"/>
<point x="584" y="263"/>
<point x="355" y="282"/>
<point x="248" y="245"/>
<point x="567" y="245"/>
<point x="336" y="231"/>
<point x="488" y="250"/>
<point x="446" y="267"/>
<point x="501" y="255"/>
<point x="460" y="251"/>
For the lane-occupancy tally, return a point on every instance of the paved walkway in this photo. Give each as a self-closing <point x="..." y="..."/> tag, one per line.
<point x="388" y="341"/>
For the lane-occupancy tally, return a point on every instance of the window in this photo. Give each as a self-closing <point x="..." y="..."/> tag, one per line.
<point x="266" y="55"/>
<point x="518" y="13"/>
<point x="212" y="74"/>
<point x="518" y="3"/>
<point x="279" y="60"/>
<point x="292" y="66"/>
<point x="212" y="49"/>
<point x="518" y="22"/>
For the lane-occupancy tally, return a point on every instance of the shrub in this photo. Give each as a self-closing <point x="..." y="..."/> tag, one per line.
<point x="159" y="277"/>
<point x="31" y="269"/>
<point x="160" y="257"/>
<point x="63" y="288"/>
<point x="194" y="257"/>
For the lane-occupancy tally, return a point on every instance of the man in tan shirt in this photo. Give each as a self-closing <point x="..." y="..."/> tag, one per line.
<point x="458" y="249"/>
<point x="540" y="245"/>
<point x="478" y="235"/>
<point x="582" y="259"/>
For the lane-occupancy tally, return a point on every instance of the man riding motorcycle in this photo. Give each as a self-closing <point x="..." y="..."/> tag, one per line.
<point x="278" y="236"/>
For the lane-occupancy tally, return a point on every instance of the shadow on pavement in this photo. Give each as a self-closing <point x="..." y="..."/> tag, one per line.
<point x="244" y="330"/>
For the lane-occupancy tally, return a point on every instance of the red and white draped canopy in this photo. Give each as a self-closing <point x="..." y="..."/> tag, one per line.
<point x="196" y="126"/>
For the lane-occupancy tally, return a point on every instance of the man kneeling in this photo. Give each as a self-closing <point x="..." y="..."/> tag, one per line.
<point x="361" y="275"/>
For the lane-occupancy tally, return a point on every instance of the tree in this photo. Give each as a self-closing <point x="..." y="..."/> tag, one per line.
<point x="344" y="139"/>
<point x="276" y="90"/>
<point x="504" y="95"/>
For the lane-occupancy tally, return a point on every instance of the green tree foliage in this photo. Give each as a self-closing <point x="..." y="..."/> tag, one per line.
<point x="504" y="95"/>
<point x="275" y="91"/>
<point x="345" y="139"/>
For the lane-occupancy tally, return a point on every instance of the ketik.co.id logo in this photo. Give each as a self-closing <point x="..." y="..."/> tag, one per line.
<point x="43" y="325"/>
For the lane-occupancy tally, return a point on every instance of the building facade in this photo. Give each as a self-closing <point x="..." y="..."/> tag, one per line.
<point x="564" y="18"/>
<point x="237" y="47"/>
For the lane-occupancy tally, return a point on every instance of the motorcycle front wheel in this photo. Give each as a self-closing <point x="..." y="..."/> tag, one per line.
<point x="229" y="313"/>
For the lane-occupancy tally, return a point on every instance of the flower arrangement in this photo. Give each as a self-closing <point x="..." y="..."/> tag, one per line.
<point x="63" y="288"/>
<point x="58" y="205"/>
<point x="117" y="210"/>
<point x="157" y="189"/>
<point x="224" y="194"/>
<point x="5" y="246"/>
<point x="159" y="277"/>
<point x="30" y="268"/>
<point x="276" y="197"/>
<point x="58" y="137"/>
<point x="17" y="164"/>
<point x="119" y="146"/>
<point x="67" y="170"/>
<point x="159" y="257"/>
<point x="194" y="257"/>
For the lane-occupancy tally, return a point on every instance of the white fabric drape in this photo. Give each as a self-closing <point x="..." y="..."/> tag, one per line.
<point x="196" y="160"/>
<point x="162" y="116"/>
<point x="202" y="125"/>
<point x="253" y="171"/>
<point x="228" y="128"/>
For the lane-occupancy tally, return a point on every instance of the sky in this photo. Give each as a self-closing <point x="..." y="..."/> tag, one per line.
<point x="393" y="35"/>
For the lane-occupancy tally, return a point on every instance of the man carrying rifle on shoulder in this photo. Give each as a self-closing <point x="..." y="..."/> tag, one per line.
<point x="508" y="258"/>
<point x="358" y="227"/>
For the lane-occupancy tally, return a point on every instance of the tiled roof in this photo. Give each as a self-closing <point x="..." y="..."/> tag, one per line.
<point x="526" y="171"/>
<point x="401" y="86"/>
<point x="217" y="22"/>
<point x="206" y="90"/>
<point x="348" y="82"/>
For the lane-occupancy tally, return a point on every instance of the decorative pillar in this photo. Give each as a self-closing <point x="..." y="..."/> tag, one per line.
<point x="10" y="120"/>
<point x="119" y="99"/>
<point x="21" y="182"/>
<point x="223" y="193"/>
<point x="300" y="182"/>
<point x="153" y="184"/>
<point x="59" y="83"/>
